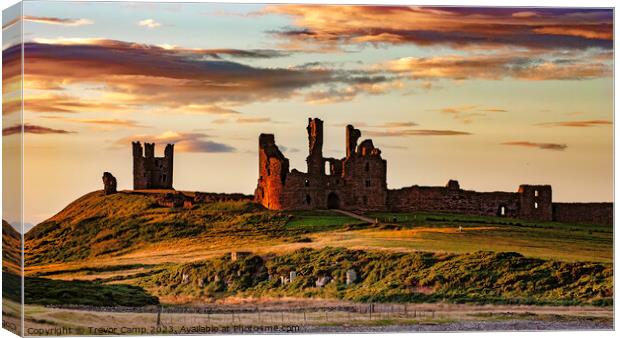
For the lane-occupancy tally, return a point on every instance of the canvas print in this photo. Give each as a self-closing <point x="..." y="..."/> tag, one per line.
<point x="221" y="168"/>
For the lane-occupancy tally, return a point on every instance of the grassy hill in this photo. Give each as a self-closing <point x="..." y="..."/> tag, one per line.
<point x="131" y="228"/>
<point x="96" y="225"/>
<point x="171" y="253"/>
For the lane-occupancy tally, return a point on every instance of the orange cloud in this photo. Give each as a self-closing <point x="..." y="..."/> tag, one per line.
<point x="32" y="129"/>
<point x="136" y="75"/>
<point x="544" y="146"/>
<point x="468" y="113"/>
<point x="331" y="27"/>
<point x="579" y="124"/>
<point x="100" y="122"/>
<point x="497" y="67"/>
<point x="415" y="132"/>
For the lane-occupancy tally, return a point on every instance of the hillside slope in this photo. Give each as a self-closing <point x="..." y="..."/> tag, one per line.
<point x="479" y="277"/>
<point x="96" y="225"/>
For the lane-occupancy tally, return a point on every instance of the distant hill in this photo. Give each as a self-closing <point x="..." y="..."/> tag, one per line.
<point x="95" y="225"/>
<point x="11" y="257"/>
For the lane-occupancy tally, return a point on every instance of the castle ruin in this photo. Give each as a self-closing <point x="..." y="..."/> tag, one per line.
<point x="355" y="182"/>
<point x="150" y="172"/>
<point x="358" y="182"/>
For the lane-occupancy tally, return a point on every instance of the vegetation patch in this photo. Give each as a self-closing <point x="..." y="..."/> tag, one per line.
<point x="480" y="277"/>
<point x="57" y="292"/>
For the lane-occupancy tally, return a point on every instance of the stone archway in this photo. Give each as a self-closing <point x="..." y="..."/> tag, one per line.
<point x="333" y="201"/>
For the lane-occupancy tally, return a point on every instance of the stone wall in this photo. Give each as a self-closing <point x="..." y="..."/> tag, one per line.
<point x="446" y="199"/>
<point x="586" y="213"/>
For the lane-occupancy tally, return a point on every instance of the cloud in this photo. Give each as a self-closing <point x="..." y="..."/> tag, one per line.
<point x="32" y="129"/>
<point x="392" y="124"/>
<point x="135" y="75"/>
<point x="544" y="146"/>
<point x="415" y="132"/>
<point x="215" y="53"/>
<point x="208" y="109"/>
<point x="468" y="113"/>
<point x="398" y="124"/>
<point x="183" y="142"/>
<point x="62" y="103"/>
<point x="369" y="86"/>
<point x="497" y="67"/>
<point x="579" y="124"/>
<point x="131" y="75"/>
<point x="149" y="23"/>
<point x="101" y="122"/>
<point x="333" y="27"/>
<point x="246" y="120"/>
<point x="253" y="120"/>
<point x="58" y="21"/>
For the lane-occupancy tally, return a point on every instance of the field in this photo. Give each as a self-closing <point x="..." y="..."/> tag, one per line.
<point x="125" y="244"/>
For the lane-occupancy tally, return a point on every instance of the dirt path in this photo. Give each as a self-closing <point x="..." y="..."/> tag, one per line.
<point x="356" y="216"/>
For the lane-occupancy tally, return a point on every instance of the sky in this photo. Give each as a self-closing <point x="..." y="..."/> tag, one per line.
<point x="491" y="97"/>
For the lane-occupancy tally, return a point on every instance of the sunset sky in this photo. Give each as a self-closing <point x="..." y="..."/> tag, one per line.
<point x="492" y="97"/>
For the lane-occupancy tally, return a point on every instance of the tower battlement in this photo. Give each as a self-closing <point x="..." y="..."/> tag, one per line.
<point x="150" y="172"/>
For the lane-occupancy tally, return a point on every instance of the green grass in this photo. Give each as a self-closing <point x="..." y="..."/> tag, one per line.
<point x="479" y="277"/>
<point x="319" y="220"/>
<point x="570" y="242"/>
<point x="426" y="218"/>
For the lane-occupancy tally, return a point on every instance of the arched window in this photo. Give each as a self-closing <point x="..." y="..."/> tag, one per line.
<point x="367" y="166"/>
<point x="307" y="183"/>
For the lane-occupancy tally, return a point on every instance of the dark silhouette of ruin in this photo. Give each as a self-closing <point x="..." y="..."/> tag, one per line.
<point x="109" y="183"/>
<point x="150" y="172"/>
<point x="358" y="182"/>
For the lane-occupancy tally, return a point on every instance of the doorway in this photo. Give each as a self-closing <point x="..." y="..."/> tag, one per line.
<point x="333" y="201"/>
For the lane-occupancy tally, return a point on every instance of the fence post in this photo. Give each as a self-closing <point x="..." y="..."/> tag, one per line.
<point x="159" y="316"/>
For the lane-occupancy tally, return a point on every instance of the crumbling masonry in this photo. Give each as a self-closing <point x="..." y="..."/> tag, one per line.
<point x="358" y="182"/>
<point x="150" y="172"/>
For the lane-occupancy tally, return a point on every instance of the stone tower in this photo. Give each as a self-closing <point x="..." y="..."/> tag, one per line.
<point x="315" y="161"/>
<point x="536" y="202"/>
<point x="150" y="172"/>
